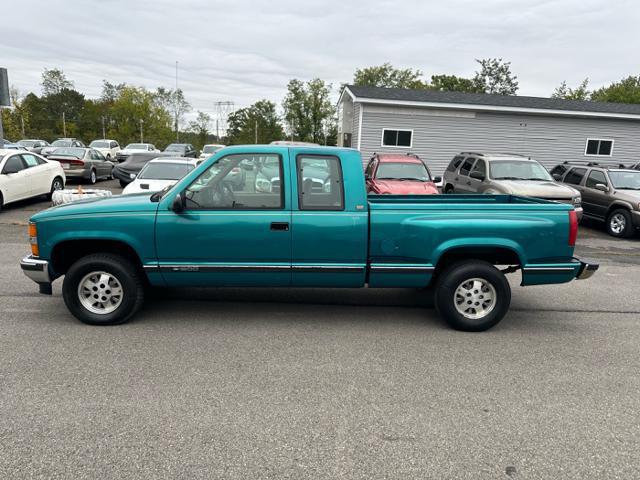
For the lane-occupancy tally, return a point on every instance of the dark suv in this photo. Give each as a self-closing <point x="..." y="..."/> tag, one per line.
<point x="609" y="193"/>
<point x="182" y="150"/>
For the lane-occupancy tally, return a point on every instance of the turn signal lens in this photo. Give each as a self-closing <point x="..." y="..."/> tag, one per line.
<point x="33" y="240"/>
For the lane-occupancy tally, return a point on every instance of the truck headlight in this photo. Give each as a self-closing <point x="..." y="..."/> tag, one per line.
<point x="577" y="201"/>
<point x="33" y="239"/>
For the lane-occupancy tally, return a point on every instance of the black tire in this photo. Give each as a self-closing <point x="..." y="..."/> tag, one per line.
<point x="123" y="184"/>
<point x="1" y="201"/>
<point x="455" y="277"/>
<point x="619" y="223"/>
<point x="122" y="270"/>
<point x="448" y="189"/>
<point x="93" y="177"/>
<point x="56" y="184"/>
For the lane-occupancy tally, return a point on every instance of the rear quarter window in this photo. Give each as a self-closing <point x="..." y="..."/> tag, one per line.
<point x="575" y="176"/>
<point x="455" y="163"/>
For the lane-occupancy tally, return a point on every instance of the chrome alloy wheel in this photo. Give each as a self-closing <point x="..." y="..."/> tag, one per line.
<point x="475" y="298"/>
<point x="100" y="292"/>
<point x="617" y="223"/>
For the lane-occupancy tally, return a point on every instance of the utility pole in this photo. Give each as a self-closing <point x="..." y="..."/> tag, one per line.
<point x="64" y="126"/>
<point x="1" y="129"/>
<point x="22" y="124"/>
<point x="176" y="104"/>
<point x="256" y="142"/>
<point x="141" y="134"/>
<point x="217" y="132"/>
<point x="104" y="135"/>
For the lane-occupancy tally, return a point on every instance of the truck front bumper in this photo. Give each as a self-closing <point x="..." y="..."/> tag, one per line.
<point x="38" y="271"/>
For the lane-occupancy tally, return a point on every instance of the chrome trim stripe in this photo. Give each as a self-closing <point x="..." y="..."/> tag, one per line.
<point x="400" y="268"/>
<point x="200" y="268"/>
<point x="549" y="269"/>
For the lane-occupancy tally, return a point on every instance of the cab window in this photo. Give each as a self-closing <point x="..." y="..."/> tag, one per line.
<point x="596" y="177"/>
<point x="319" y="183"/>
<point x="466" y="166"/>
<point x="480" y="167"/>
<point x="239" y="182"/>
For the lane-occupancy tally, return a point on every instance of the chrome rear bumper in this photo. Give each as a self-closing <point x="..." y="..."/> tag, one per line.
<point x="586" y="270"/>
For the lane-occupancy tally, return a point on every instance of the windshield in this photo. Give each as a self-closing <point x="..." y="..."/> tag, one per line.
<point x="625" y="180"/>
<point x="403" y="171"/>
<point x="210" y="148"/>
<point x="62" y="143"/>
<point x="518" y="170"/>
<point x="69" y="152"/>
<point x="27" y="143"/>
<point x="99" y="144"/>
<point x="136" y="146"/>
<point x="165" y="171"/>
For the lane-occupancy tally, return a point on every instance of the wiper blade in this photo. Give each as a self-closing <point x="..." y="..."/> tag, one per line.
<point x="507" y="178"/>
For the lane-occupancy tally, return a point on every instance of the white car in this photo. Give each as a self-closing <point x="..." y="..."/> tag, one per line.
<point x="108" y="148"/>
<point x="24" y="175"/>
<point x="135" y="148"/>
<point x="160" y="173"/>
<point x="210" y="149"/>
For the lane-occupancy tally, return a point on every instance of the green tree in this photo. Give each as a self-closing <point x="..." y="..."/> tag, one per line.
<point x="581" y="92"/>
<point x="308" y="110"/>
<point x="63" y="110"/>
<point x="495" y="77"/>
<point x="175" y="102"/>
<point x="260" y="119"/>
<point x="626" y="90"/>
<point x="54" y="81"/>
<point x="200" y="127"/>
<point x="452" y="83"/>
<point x="386" y="75"/>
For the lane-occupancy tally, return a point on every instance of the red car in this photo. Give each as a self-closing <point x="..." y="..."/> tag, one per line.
<point x="395" y="174"/>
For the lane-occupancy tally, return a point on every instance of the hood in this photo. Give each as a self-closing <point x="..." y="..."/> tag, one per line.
<point x="404" y="187"/>
<point x="531" y="188"/>
<point x="100" y="205"/>
<point x="628" y="195"/>
<point x="154" y="186"/>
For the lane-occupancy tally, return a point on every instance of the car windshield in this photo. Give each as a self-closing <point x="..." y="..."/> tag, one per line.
<point x="99" y="144"/>
<point x="175" y="147"/>
<point x="625" y="180"/>
<point x="69" y="152"/>
<point x="518" y="170"/>
<point x="210" y="148"/>
<point x="403" y="171"/>
<point x="165" y="171"/>
<point x="62" y="143"/>
<point x="27" y="143"/>
<point x="136" y="146"/>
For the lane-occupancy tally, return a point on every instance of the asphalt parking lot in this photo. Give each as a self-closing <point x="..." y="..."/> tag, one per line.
<point x="294" y="384"/>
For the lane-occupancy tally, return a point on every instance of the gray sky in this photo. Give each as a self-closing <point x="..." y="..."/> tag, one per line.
<point x="243" y="51"/>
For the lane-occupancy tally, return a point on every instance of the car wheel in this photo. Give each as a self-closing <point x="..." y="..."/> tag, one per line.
<point x="472" y="296"/>
<point x="1" y="201"/>
<point x="619" y="223"/>
<point x="92" y="177"/>
<point x="108" y="156"/>
<point x="110" y="174"/>
<point x="103" y="289"/>
<point x="448" y="189"/>
<point x="57" y="184"/>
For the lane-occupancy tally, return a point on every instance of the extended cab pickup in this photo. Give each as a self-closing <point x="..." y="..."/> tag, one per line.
<point x="301" y="218"/>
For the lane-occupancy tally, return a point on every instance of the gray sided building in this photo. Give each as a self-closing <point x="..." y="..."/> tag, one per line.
<point x="438" y="125"/>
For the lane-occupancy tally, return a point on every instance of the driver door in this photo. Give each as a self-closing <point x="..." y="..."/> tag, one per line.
<point x="235" y="226"/>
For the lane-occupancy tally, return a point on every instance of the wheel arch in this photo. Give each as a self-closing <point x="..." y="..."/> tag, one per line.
<point x="67" y="252"/>
<point x="500" y="254"/>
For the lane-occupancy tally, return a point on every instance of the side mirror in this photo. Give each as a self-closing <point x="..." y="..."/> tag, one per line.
<point x="557" y="177"/>
<point x="477" y="176"/>
<point x="602" y="187"/>
<point x="437" y="179"/>
<point x="178" y="203"/>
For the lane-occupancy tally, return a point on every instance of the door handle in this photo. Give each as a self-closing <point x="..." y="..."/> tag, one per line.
<point x="280" y="226"/>
<point x="468" y="183"/>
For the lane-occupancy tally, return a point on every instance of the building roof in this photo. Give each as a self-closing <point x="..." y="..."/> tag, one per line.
<point x="484" y="101"/>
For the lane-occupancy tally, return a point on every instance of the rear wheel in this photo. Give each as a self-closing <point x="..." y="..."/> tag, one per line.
<point x="448" y="189"/>
<point x="472" y="296"/>
<point x="93" y="177"/>
<point x="103" y="289"/>
<point x="57" y="184"/>
<point x="619" y="223"/>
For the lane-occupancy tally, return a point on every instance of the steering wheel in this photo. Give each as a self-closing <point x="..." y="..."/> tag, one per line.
<point x="220" y="195"/>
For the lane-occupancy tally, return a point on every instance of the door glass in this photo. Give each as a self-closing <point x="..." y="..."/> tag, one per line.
<point x="575" y="176"/>
<point x="480" y="167"/>
<point x="239" y="181"/>
<point x="30" y="160"/>
<point x="13" y="163"/>
<point x="466" y="166"/>
<point x="596" y="177"/>
<point x="319" y="183"/>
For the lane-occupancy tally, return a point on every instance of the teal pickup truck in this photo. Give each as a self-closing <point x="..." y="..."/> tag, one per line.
<point x="300" y="217"/>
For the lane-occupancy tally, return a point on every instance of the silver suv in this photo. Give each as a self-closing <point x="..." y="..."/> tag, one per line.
<point x="507" y="173"/>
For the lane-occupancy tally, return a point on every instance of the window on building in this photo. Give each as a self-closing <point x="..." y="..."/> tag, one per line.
<point x="575" y="176"/>
<point x="397" y="138"/>
<point x="599" y="147"/>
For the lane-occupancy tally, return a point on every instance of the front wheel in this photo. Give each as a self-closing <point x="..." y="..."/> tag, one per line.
<point x="103" y="289"/>
<point x="472" y="296"/>
<point x="57" y="184"/>
<point x="619" y="223"/>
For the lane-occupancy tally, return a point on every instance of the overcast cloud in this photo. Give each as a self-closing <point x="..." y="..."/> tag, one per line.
<point x="243" y="51"/>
